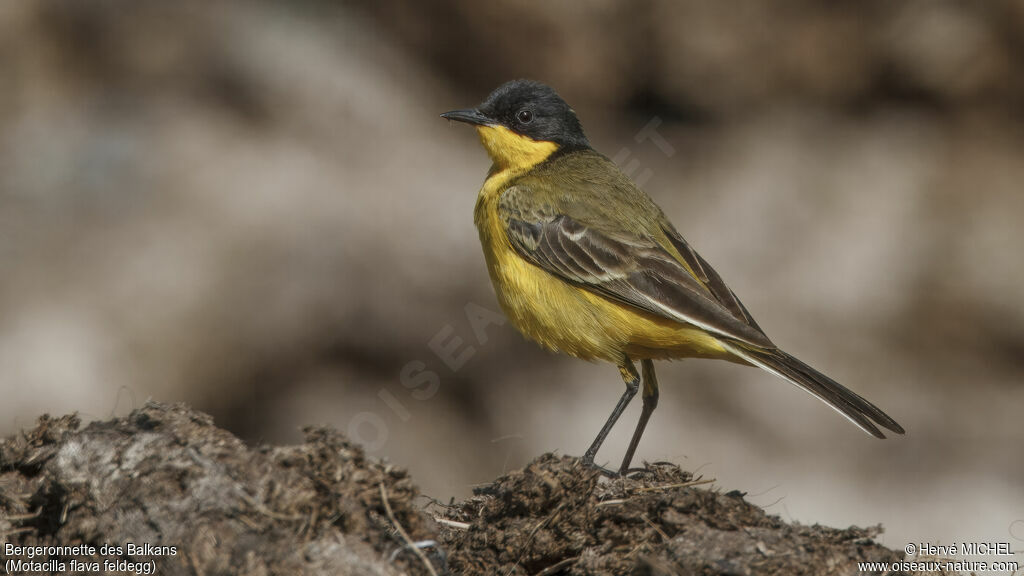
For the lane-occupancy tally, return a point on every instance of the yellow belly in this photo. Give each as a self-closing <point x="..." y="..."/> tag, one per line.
<point x="569" y="319"/>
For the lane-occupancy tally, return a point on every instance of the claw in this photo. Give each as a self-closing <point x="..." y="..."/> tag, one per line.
<point x="604" y="471"/>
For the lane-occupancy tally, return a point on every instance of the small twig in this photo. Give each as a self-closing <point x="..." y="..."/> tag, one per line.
<point x="260" y="508"/>
<point x="664" y="536"/>
<point x="557" y="566"/>
<point x="611" y="502"/>
<point x="248" y="522"/>
<point x="452" y="523"/>
<point x="16" y="531"/>
<point x="401" y="532"/>
<point x="529" y="539"/>
<point x="20" y="517"/>
<point x="696" y="482"/>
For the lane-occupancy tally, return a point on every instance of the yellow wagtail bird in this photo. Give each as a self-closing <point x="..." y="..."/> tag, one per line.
<point x="584" y="262"/>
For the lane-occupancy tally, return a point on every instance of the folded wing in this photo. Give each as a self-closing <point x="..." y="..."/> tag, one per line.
<point x="627" y="267"/>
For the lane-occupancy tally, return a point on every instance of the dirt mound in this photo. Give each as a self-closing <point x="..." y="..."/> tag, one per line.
<point x="556" y="517"/>
<point x="205" y="503"/>
<point x="166" y="476"/>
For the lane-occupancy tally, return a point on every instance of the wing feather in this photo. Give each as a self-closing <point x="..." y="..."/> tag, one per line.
<point x="627" y="267"/>
<point x="710" y="278"/>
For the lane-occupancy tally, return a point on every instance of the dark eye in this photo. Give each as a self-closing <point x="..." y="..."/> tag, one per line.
<point x="524" y="116"/>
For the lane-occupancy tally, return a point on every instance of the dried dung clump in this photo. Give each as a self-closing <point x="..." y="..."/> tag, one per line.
<point x="206" y="504"/>
<point x="556" y="517"/>
<point x="166" y="476"/>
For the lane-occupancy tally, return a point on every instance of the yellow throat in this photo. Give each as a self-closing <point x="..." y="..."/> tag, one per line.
<point x="511" y="152"/>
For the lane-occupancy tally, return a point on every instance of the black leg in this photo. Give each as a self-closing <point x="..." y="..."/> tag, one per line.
<point x="650" y="397"/>
<point x="632" y="380"/>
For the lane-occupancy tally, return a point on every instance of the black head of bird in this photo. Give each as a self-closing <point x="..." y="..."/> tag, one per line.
<point x="522" y="119"/>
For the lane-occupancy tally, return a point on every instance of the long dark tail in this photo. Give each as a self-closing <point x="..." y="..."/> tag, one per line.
<point x="843" y="400"/>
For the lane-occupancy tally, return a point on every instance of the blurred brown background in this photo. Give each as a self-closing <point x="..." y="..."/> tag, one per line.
<point x="255" y="208"/>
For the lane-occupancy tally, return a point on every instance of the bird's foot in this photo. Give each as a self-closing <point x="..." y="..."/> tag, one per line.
<point x="608" y="472"/>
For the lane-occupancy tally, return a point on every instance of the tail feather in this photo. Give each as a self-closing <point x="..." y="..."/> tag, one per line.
<point x="856" y="409"/>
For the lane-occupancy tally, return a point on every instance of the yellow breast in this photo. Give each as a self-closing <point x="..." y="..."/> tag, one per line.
<point x="569" y="319"/>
